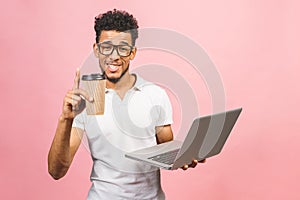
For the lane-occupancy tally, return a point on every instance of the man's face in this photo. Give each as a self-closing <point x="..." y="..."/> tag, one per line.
<point x="114" y="65"/>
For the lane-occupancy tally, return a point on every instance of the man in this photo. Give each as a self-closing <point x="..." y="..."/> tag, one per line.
<point x="137" y="114"/>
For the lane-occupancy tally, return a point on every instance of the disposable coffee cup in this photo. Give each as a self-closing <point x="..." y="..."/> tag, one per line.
<point x="95" y="85"/>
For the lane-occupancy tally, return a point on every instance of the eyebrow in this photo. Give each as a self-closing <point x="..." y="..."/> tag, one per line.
<point x="106" y="42"/>
<point x="122" y="42"/>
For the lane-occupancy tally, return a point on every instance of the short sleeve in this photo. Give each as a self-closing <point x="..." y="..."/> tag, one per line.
<point x="80" y="120"/>
<point x="165" y="110"/>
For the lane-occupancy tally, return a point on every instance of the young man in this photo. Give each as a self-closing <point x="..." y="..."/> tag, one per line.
<point x="137" y="114"/>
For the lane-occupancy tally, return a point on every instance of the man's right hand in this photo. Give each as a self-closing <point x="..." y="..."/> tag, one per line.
<point x="73" y="101"/>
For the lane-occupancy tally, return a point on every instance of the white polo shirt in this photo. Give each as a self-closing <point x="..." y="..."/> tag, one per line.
<point x="127" y="125"/>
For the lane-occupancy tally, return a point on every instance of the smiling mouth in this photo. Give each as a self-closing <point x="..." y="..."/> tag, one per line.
<point x="113" y="67"/>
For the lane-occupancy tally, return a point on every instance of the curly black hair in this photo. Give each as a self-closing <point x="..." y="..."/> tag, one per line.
<point x="116" y="20"/>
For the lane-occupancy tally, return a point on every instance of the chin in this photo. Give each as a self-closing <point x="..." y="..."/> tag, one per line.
<point x="113" y="76"/>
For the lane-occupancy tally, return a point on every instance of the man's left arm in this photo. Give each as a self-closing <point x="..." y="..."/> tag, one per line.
<point x="163" y="134"/>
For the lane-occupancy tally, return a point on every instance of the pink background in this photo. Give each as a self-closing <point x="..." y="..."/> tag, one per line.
<point x="254" y="44"/>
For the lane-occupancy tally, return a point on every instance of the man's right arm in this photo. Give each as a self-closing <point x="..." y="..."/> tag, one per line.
<point x="64" y="146"/>
<point x="67" y="139"/>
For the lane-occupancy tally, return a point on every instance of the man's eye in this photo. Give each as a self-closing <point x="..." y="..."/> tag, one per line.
<point x="124" y="48"/>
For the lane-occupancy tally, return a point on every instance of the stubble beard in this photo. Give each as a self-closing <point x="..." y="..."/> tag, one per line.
<point x="116" y="80"/>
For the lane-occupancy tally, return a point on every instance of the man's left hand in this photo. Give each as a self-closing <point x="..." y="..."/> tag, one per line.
<point x="193" y="164"/>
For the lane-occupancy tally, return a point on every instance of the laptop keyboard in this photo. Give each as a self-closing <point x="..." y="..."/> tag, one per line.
<point x="166" y="158"/>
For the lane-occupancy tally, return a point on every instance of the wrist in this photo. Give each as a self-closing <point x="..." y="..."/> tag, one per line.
<point x="65" y="119"/>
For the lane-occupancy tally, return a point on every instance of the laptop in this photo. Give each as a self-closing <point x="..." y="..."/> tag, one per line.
<point x="206" y="137"/>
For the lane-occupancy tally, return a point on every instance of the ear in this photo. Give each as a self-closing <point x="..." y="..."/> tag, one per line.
<point x="133" y="53"/>
<point x="96" y="50"/>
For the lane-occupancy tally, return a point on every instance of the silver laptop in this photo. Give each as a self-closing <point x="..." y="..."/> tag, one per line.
<point x="206" y="138"/>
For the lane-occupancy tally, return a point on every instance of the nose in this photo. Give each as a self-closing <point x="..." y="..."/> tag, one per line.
<point x="114" y="55"/>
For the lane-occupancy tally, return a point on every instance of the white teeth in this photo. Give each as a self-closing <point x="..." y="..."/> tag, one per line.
<point x="113" y="66"/>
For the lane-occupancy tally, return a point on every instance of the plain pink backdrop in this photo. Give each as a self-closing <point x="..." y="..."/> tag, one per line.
<point x="254" y="44"/>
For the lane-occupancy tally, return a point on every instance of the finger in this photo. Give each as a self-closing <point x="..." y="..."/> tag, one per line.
<point x="77" y="94"/>
<point x="202" y="161"/>
<point x="83" y="94"/>
<point x="185" y="167"/>
<point x="77" y="79"/>
<point x="72" y="102"/>
<point x="73" y="96"/>
<point x="75" y="105"/>
<point x="193" y="164"/>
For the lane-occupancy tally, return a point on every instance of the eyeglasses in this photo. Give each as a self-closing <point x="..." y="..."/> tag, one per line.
<point x="107" y="49"/>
